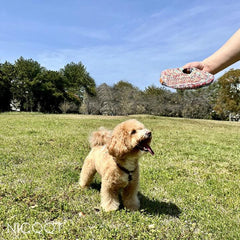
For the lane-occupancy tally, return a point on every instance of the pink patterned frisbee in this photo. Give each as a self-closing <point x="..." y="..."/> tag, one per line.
<point x="185" y="78"/>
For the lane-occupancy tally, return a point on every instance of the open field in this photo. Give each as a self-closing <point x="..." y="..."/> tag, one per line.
<point x="190" y="189"/>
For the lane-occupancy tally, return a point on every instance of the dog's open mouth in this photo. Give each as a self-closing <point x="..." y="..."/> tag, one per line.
<point x="144" y="146"/>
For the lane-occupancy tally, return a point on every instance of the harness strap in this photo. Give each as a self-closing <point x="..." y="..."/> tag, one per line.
<point x="127" y="171"/>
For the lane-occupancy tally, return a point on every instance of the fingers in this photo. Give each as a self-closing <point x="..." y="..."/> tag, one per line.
<point x="198" y="65"/>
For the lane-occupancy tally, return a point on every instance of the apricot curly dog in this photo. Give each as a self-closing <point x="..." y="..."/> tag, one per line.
<point x="114" y="155"/>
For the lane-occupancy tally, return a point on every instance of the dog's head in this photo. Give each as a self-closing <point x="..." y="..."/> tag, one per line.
<point x="129" y="138"/>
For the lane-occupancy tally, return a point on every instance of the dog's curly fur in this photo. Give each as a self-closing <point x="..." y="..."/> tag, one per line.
<point x="109" y="150"/>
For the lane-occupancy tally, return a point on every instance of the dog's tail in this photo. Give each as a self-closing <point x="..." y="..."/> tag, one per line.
<point x="100" y="137"/>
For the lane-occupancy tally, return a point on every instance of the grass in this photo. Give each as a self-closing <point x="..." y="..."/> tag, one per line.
<point x="190" y="189"/>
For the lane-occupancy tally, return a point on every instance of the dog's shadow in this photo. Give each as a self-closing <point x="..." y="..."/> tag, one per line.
<point x="153" y="207"/>
<point x="156" y="207"/>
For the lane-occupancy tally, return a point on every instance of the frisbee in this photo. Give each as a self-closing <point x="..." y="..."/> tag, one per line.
<point x="185" y="78"/>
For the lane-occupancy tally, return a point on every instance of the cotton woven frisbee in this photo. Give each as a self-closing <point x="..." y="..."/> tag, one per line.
<point x="185" y="78"/>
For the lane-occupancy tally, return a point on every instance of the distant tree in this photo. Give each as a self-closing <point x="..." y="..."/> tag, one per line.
<point x="155" y="91"/>
<point x="90" y="105"/>
<point x="6" y="76"/>
<point x="106" y="100"/>
<point x="33" y="88"/>
<point x="196" y="105"/>
<point x="84" y="108"/>
<point x="153" y="100"/>
<point x="64" y="107"/>
<point x="102" y="103"/>
<point x="48" y="90"/>
<point x="228" y="99"/>
<point x="67" y="106"/>
<point x="128" y="99"/>
<point x="160" y="101"/>
<point x="25" y="72"/>
<point x="78" y="80"/>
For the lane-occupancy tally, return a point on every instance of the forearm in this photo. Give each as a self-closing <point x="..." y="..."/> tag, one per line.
<point x="228" y="54"/>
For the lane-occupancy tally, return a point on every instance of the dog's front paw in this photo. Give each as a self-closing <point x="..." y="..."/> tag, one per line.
<point x="110" y="205"/>
<point x="132" y="204"/>
<point x="83" y="186"/>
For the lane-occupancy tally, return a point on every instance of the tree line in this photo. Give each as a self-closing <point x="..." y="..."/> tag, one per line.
<point x="216" y="101"/>
<point x="26" y="86"/>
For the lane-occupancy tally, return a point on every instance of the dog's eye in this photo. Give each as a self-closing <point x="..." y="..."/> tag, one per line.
<point x="133" y="131"/>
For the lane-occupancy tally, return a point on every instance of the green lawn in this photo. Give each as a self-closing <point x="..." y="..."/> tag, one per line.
<point x="190" y="188"/>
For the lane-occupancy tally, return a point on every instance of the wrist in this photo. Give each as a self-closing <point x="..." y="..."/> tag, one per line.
<point x="209" y="66"/>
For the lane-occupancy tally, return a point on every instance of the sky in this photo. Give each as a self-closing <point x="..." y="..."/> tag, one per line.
<point x="129" y="40"/>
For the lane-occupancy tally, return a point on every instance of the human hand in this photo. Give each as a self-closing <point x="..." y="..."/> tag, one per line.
<point x="199" y="65"/>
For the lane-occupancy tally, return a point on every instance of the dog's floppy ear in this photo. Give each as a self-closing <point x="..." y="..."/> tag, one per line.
<point x="118" y="144"/>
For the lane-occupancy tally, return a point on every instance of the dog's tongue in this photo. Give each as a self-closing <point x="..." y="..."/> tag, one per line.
<point x="147" y="148"/>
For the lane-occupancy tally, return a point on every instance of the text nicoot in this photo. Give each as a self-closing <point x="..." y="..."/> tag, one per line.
<point x="39" y="228"/>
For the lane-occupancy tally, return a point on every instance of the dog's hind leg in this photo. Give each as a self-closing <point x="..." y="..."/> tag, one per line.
<point x="87" y="173"/>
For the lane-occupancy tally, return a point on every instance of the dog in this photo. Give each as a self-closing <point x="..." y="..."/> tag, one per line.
<point x="114" y="155"/>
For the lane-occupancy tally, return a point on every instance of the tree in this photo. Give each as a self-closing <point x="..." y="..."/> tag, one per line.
<point x="228" y="99"/>
<point x="160" y="101"/>
<point x="6" y="76"/>
<point x="128" y="99"/>
<point x="78" y="80"/>
<point x="105" y="96"/>
<point x="102" y="103"/>
<point x="25" y="72"/>
<point x="196" y="105"/>
<point x="48" y="90"/>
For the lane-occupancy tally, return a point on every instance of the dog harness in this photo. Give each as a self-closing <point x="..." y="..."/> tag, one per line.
<point x="122" y="168"/>
<point x="127" y="171"/>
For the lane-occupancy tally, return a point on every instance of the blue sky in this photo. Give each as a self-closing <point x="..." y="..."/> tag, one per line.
<point x="116" y="40"/>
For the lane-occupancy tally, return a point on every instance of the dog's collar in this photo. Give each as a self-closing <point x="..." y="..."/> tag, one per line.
<point x="127" y="171"/>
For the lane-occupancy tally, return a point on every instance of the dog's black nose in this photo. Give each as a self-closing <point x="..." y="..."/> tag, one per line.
<point x="149" y="134"/>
